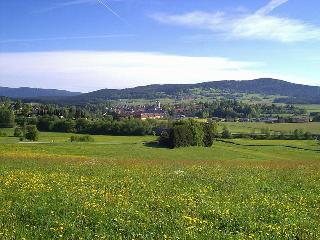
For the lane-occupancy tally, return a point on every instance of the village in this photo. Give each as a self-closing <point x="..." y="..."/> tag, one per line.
<point x="195" y="111"/>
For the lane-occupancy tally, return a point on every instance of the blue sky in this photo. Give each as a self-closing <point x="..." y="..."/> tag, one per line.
<point x="85" y="45"/>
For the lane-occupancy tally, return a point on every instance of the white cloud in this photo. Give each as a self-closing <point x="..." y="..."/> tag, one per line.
<point x="273" y="28"/>
<point x="256" y="26"/>
<point x="193" y="19"/>
<point x="271" y="6"/>
<point x="86" y="71"/>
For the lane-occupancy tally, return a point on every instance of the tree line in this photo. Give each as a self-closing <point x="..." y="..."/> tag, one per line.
<point x="267" y="134"/>
<point x="105" y="126"/>
<point x="237" y="109"/>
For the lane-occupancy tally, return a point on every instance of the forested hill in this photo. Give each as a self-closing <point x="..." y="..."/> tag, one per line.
<point x="296" y="93"/>
<point x="25" y="92"/>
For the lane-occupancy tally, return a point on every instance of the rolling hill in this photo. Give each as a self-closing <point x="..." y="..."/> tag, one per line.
<point x="289" y="92"/>
<point x="295" y="93"/>
<point x="25" y="92"/>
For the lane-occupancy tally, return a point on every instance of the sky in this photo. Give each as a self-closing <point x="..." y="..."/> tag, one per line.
<point x="85" y="45"/>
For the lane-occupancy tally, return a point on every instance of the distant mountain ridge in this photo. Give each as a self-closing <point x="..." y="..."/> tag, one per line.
<point x="295" y="93"/>
<point x="26" y="92"/>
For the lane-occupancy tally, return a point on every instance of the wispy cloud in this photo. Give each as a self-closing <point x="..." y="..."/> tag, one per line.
<point x="75" y="2"/>
<point x="257" y="26"/>
<point x="5" y="41"/>
<point x="106" y="4"/>
<point x="70" y="3"/>
<point x="271" y="6"/>
<point x="65" y="4"/>
<point x="85" y="71"/>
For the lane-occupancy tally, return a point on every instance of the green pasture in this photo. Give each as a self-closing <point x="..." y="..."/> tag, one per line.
<point x="55" y="137"/>
<point x="239" y="127"/>
<point x="310" y="107"/>
<point x="130" y="188"/>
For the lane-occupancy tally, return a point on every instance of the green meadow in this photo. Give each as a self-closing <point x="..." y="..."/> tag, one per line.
<point x="129" y="188"/>
<point x="248" y="127"/>
<point x="310" y="107"/>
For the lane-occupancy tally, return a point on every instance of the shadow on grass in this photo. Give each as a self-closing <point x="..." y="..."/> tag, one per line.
<point x="268" y="145"/>
<point x="153" y="144"/>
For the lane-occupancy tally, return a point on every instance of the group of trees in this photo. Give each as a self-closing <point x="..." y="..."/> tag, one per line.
<point x="188" y="133"/>
<point x="267" y="134"/>
<point x="52" y="118"/>
<point x="29" y="132"/>
<point x="106" y="126"/>
<point x="237" y="109"/>
<point x="8" y="118"/>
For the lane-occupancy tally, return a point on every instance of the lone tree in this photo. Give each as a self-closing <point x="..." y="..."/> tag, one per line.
<point x="32" y="133"/>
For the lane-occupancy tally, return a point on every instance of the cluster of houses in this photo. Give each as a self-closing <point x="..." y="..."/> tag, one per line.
<point x="142" y="112"/>
<point x="181" y="111"/>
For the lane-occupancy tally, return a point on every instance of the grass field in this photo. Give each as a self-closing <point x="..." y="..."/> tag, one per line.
<point x="310" y="107"/>
<point x="238" y="127"/>
<point x="123" y="188"/>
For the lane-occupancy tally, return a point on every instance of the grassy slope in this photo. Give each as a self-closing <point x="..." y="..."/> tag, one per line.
<point x="119" y="187"/>
<point x="238" y="127"/>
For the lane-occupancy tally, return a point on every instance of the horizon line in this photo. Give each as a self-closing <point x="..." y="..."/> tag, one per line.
<point x="159" y="84"/>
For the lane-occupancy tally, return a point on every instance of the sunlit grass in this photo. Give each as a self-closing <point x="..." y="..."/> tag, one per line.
<point x="121" y="188"/>
<point x="239" y="127"/>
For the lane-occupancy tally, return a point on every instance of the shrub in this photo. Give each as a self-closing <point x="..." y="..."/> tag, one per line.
<point x="266" y="133"/>
<point x="298" y="134"/>
<point x="18" y="132"/>
<point x="226" y="133"/>
<point x="308" y="136"/>
<point x="86" y="138"/>
<point x="31" y="133"/>
<point x="3" y="134"/>
<point x="282" y="136"/>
